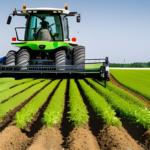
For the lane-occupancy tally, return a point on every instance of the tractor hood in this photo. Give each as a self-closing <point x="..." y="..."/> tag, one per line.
<point x="36" y="45"/>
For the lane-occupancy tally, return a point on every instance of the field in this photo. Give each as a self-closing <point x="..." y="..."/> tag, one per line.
<point x="71" y="114"/>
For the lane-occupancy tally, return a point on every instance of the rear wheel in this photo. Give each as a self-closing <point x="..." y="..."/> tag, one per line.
<point x="79" y="55"/>
<point x="22" y="58"/>
<point x="60" y="58"/>
<point x="10" y="58"/>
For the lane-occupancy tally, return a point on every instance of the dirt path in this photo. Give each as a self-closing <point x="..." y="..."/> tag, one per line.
<point x="115" y="82"/>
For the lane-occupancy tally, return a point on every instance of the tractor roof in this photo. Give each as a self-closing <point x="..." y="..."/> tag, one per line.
<point x="48" y="9"/>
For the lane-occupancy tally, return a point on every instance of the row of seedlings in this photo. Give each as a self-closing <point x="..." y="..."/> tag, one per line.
<point x="54" y="111"/>
<point x="4" y="80"/>
<point x="126" y="110"/>
<point x="78" y="113"/>
<point x="4" y="95"/>
<point x="13" y="83"/>
<point x="28" y="112"/>
<point x="20" y="98"/>
<point x="124" y="94"/>
<point x="100" y="105"/>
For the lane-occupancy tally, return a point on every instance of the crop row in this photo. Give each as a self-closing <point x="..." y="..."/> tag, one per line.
<point x="124" y="94"/>
<point x="31" y="108"/>
<point x="78" y="113"/>
<point x="20" y="98"/>
<point x="10" y="92"/>
<point x="4" y="80"/>
<point x="134" y="80"/>
<point x="54" y="111"/>
<point x="7" y="85"/>
<point x="126" y="110"/>
<point x="100" y="105"/>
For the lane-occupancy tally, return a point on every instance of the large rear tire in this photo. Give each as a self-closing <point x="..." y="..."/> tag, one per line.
<point x="60" y="58"/>
<point x="79" y="55"/>
<point x="10" y="58"/>
<point x="22" y="58"/>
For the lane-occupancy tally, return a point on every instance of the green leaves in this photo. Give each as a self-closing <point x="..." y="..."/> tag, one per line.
<point x="126" y="110"/>
<point x="135" y="80"/>
<point x="31" y="108"/>
<point x="53" y="112"/>
<point x="100" y="105"/>
<point x="78" y="113"/>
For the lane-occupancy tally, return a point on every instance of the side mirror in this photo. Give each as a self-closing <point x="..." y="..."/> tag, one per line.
<point x="9" y="20"/>
<point x="78" y="19"/>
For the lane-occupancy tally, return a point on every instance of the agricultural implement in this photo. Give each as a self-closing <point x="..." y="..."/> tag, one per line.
<point x="47" y="49"/>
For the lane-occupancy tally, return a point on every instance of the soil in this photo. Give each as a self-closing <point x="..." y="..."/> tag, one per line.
<point x="112" y="138"/>
<point x="11" y="138"/>
<point x="49" y="138"/>
<point x="94" y="135"/>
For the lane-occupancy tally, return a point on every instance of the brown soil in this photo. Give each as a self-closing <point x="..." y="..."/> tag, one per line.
<point x="112" y="138"/>
<point x="81" y="138"/>
<point x="145" y="139"/>
<point x="11" y="138"/>
<point x="115" y="82"/>
<point x="47" y="139"/>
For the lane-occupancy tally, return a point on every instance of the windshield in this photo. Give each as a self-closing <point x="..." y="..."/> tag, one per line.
<point x="49" y="22"/>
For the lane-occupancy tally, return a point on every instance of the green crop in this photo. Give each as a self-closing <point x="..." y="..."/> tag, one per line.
<point x="54" y="111"/>
<point x="10" y="92"/>
<point x="27" y="113"/>
<point x="100" y="105"/>
<point x="4" y="80"/>
<point x="78" y="113"/>
<point x="123" y="94"/>
<point x="20" y="98"/>
<point x="137" y="81"/>
<point x="126" y="110"/>
<point x="13" y="83"/>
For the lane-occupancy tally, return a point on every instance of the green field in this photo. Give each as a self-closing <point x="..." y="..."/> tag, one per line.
<point x="135" y="80"/>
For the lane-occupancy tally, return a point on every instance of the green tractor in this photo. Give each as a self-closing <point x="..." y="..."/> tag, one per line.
<point x="47" y="48"/>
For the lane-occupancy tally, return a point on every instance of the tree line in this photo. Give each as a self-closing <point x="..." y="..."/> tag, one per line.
<point x="136" y="64"/>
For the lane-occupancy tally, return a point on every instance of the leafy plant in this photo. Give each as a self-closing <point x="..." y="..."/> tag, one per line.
<point x="20" y="98"/>
<point x="100" y="105"/>
<point x="126" y="110"/>
<point x="54" y="110"/>
<point x="78" y="113"/>
<point x="31" y="108"/>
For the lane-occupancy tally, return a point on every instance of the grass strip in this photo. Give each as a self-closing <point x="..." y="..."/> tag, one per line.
<point x="124" y="94"/>
<point x="78" y="113"/>
<point x="4" y="80"/>
<point x="31" y="108"/>
<point x="20" y="98"/>
<point x="4" y="95"/>
<point x="126" y="110"/>
<point x="54" y="111"/>
<point x="100" y="105"/>
<point x="133" y="80"/>
<point x="13" y="83"/>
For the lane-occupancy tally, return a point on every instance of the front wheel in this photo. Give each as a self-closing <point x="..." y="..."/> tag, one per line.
<point x="23" y="58"/>
<point x="79" y="55"/>
<point x="10" y="58"/>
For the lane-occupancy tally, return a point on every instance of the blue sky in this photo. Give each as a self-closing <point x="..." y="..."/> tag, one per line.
<point x="119" y="29"/>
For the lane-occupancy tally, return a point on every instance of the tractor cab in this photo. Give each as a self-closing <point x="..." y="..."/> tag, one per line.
<point x="45" y="24"/>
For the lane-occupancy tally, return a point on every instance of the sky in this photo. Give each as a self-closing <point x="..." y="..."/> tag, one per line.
<point x="118" y="29"/>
